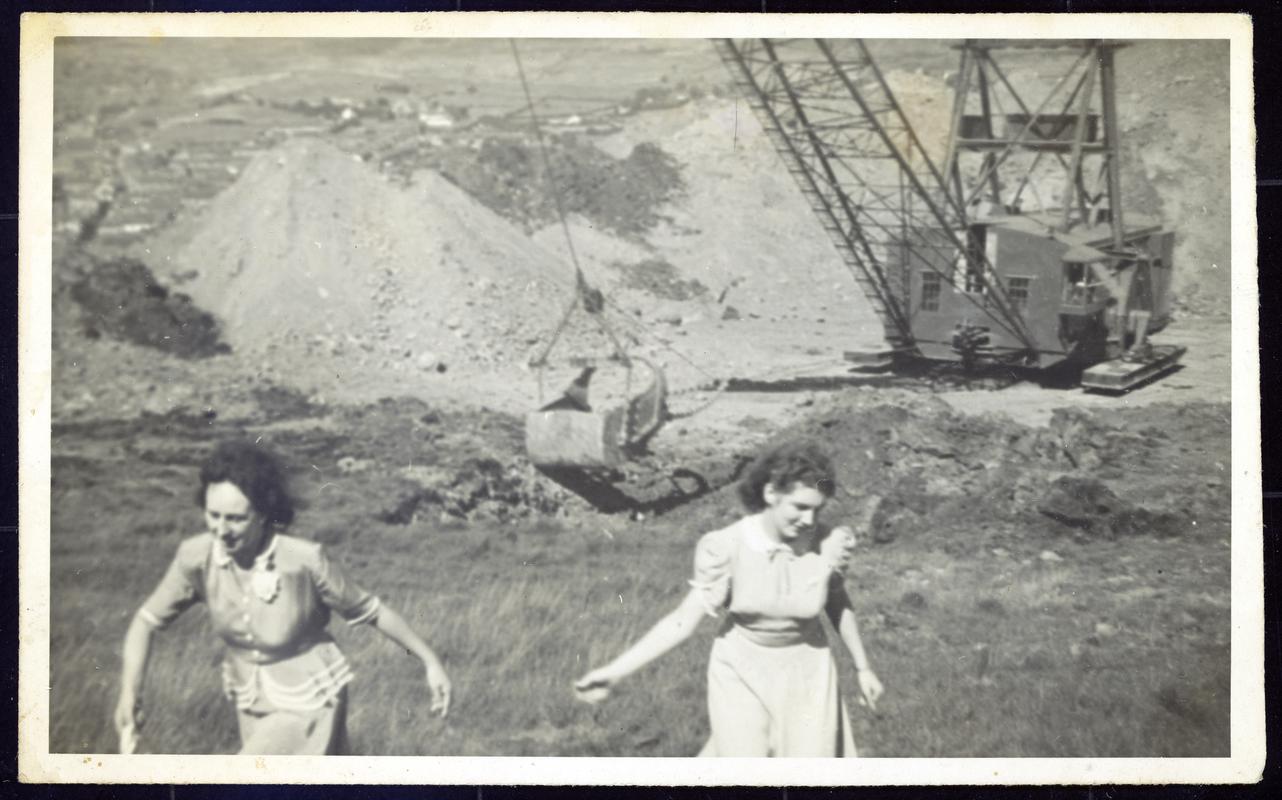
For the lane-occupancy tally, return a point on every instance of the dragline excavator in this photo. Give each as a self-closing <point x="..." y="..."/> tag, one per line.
<point x="955" y="265"/>
<point x="963" y="260"/>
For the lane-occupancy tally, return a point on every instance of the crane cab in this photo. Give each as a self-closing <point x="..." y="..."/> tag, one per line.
<point x="1073" y="297"/>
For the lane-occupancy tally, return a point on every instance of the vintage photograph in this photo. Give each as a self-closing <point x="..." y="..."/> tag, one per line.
<point x="643" y="397"/>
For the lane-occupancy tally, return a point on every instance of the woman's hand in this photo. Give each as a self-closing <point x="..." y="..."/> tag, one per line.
<point x="438" y="686"/>
<point x="392" y="625"/>
<point x="838" y="547"/>
<point x="128" y="714"/>
<point x="666" y="634"/>
<point x="596" y="685"/>
<point x="870" y="688"/>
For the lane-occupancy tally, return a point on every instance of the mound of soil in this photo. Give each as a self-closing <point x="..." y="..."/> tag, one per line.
<point x="415" y="462"/>
<point x="122" y="299"/>
<point x="957" y="479"/>
<point x="311" y="253"/>
<point x="398" y="461"/>
<point x="1079" y="502"/>
<point x="1087" y="505"/>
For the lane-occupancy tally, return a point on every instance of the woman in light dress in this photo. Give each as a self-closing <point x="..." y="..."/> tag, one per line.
<point x="270" y="597"/>
<point x="772" y="680"/>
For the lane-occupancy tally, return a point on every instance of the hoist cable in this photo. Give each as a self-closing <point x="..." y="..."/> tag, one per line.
<point x="580" y="281"/>
<point x="547" y="162"/>
<point x="589" y="297"/>
<point x="584" y="291"/>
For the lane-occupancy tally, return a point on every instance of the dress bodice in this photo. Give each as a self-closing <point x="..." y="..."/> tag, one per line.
<point x="766" y="587"/>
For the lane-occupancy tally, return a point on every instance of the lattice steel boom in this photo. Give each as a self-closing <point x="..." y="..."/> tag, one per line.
<point x="831" y="115"/>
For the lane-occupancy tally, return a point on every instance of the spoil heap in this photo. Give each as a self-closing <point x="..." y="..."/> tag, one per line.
<point x="312" y="253"/>
<point x="964" y="481"/>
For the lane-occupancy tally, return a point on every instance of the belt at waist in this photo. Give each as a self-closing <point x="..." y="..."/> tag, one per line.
<point x="263" y="656"/>
<point x="808" y="631"/>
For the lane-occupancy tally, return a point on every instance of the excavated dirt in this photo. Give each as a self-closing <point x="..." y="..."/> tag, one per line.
<point x="120" y="298"/>
<point x="944" y="478"/>
<point x="311" y="254"/>
<point x="351" y="249"/>
<point x="374" y="238"/>
<point x="960" y="481"/>
<point x="377" y="244"/>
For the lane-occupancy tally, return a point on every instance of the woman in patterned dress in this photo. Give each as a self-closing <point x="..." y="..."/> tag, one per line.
<point x="772" y="680"/>
<point x="270" y="597"/>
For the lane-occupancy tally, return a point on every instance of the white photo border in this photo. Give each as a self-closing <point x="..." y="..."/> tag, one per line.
<point x="37" y="764"/>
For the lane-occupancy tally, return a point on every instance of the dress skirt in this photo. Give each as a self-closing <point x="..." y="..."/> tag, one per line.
<point x="767" y="698"/>
<point x="293" y="706"/>
<point x="316" y="732"/>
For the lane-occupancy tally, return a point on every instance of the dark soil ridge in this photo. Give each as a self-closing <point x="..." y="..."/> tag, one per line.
<point x="121" y="298"/>
<point x="508" y="176"/>
<point x="955" y="479"/>
<point x="950" y="478"/>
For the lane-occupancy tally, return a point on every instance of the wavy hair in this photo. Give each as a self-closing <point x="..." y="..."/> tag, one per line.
<point x="784" y="467"/>
<point x="257" y="473"/>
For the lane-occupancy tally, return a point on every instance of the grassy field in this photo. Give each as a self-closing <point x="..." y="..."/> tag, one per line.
<point x="1114" y="647"/>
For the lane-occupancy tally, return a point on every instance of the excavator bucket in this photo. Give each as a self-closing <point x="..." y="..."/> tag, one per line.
<point x="568" y="438"/>
<point x="568" y="434"/>
<point x="648" y="410"/>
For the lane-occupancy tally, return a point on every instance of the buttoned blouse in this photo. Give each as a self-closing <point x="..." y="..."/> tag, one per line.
<point x="772" y="592"/>
<point x="272" y="617"/>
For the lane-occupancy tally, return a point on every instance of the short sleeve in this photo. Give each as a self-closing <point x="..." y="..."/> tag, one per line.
<point x="712" y="572"/>
<point x="177" y="590"/>
<point x="340" y="593"/>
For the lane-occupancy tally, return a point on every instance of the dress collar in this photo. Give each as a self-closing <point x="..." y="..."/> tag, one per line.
<point x="261" y="561"/>
<point x="759" y="541"/>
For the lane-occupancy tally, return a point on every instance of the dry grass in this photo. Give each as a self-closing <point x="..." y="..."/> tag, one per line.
<point x="1120" y="649"/>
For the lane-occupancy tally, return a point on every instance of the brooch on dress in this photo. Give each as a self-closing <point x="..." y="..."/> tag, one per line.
<point x="266" y="585"/>
<point x="266" y="581"/>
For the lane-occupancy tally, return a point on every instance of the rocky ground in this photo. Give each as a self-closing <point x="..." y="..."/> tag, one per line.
<point x="381" y="237"/>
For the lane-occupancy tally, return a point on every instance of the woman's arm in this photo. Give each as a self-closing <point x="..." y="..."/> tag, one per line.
<point x="133" y="672"/>
<point x="666" y="634"/>
<point x="175" y="593"/>
<point x="842" y="615"/>
<point x="394" y="627"/>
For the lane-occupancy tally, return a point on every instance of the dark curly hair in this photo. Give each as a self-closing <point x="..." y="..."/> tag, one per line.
<point x="257" y="473"/>
<point x="785" y="466"/>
